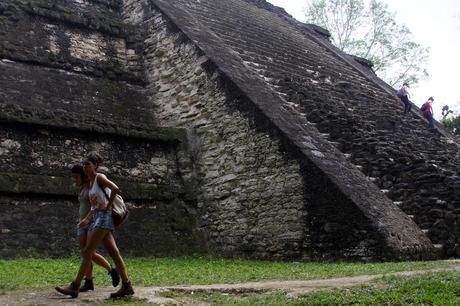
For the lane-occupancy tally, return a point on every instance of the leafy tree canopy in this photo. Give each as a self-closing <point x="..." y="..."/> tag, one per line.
<point x="368" y="29"/>
<point x="453" y="125"/>
<point x="451" y="120"/>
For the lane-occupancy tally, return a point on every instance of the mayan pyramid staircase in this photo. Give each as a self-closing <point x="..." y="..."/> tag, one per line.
<point x="415" y="167"/>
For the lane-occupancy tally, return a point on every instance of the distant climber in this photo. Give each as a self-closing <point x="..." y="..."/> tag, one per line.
<point x="427" y="110"/>
<point x="446" y="111"/>
<point x="403" y="94"/>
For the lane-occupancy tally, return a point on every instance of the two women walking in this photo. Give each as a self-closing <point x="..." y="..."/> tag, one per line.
<point x="83" y="228"/>
<point x="95" y="228"/>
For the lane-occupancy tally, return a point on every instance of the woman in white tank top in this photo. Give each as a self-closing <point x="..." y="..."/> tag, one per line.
<point x="83" y="228"/>
<point x="101" y="228"/>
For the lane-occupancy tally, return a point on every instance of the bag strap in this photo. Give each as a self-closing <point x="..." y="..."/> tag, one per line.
<point x="103" y="190"/>
<point x="106" y="196"/>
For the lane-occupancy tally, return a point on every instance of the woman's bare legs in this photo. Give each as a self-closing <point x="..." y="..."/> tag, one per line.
<point x="82" y="241"/>
<point x="126" y="287"/>
<point x="97" y="258"/>
<point x="101" y="261"/>
<point x="111" y="247"/>
<point x="95" y="237"/>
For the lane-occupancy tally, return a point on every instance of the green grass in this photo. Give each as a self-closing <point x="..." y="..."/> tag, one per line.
<point x="46" y="273"/>
<point x="441" y="288"/>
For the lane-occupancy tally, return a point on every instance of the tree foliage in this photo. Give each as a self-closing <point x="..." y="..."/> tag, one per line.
<point x="368" y="29"/>
<point x="453" y="125"/>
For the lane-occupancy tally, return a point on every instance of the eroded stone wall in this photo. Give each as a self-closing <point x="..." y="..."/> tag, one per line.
<point x="69" y="84"/>
<point x="258" y="196"/>
<point x="48" y="152"/>
<point x="251" y="196"/>
<point x="34" y="226"/>
<point x="92" y="41"/>
<point x="39" y="200"/>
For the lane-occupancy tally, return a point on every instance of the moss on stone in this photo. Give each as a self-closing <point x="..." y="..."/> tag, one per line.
<point x="170" y="133"/>
<point x="15" y="114"/>
<point x="109" y="91"/>
<point x="60" y="10"/>
<point x="37" y="184"/>
<point x="63" y="186"/>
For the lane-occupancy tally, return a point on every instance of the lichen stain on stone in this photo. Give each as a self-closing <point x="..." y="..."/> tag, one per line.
<point x="8" y="145"/>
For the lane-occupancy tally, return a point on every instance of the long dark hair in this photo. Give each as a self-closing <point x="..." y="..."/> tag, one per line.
<point x="95" y="158"/>
<point x="78" y="169"/>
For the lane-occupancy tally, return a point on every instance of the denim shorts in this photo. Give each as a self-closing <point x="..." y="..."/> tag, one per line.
<point x="102" y="219"/>
<point x="83" y="231"/>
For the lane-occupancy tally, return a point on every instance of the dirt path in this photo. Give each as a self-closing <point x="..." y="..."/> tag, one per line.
<point x="151" y="294"/>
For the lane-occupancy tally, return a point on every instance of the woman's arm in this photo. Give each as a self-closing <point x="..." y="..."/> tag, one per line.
<point x="104" y="182"/>
<point x="86" y="219"/>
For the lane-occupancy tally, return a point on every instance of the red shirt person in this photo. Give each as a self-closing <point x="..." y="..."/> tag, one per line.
<point x="427" y="110"/>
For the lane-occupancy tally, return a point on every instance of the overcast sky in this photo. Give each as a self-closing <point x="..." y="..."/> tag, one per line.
<point x="434" y="24"/>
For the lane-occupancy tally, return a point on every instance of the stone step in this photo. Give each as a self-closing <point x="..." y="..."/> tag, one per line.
<point x="335" y="143"/>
